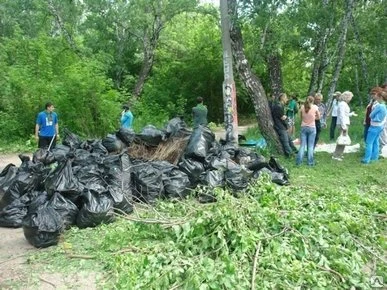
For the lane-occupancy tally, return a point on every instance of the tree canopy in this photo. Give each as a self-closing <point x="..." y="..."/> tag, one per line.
<point x="91" y="56"/>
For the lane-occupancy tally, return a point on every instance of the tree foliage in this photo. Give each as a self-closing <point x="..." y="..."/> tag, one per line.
<point x="90" y="56"/>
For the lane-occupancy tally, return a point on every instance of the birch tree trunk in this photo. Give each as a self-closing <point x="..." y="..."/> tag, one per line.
<point x="341" y="52"/>
<point x="275" y="73"/>
<point x="251" y="81"/>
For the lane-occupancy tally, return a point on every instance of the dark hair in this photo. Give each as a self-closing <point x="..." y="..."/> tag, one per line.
<point x="199" y="100"/>
<point x="125" y="107"/>
<point x="48" y="104"/>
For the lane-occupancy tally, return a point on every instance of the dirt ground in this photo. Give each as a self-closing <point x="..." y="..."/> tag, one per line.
<point x="17" y="273"/>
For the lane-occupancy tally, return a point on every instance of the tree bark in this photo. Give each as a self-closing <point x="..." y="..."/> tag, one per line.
<point x="341" y="48"/>
<point x="251" y="81"/>
<point x="150" y="40"/>
<point x="275" y="73"/>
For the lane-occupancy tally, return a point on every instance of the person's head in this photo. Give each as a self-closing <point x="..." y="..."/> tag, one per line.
<point x="294" y="97"/>
<point x="337" y="95"/>
<point x="125" y="107"/>
<point x="308" y="103"/>
<point x="199" y="100"/>
<point x="49" y="107"/>
<point x="346" y="96"/>
<point x="376" y="93"/>
<point x="283" y="98"/>
<point x="318" y="98"/>
<point x="384" y="95"/>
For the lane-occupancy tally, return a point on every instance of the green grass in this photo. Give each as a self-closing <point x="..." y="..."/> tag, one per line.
<point x="325" y="231"/>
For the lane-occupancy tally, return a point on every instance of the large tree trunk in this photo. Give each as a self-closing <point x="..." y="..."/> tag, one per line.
<point x="341" y="48"/>
<point x="251" y="81"/>
<point x="150" y="41"/>
<point x="275" y="73"/>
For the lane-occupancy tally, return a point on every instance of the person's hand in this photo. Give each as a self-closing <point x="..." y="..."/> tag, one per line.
<point x="284" y="117"/>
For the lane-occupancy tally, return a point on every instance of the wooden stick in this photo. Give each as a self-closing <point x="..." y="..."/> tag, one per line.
<point x="370" y="251"/>
<point x="75" y="256"/>
<point x="258" y="248"/>
<point x="332" y="271"/>
<point x="48" y="282"/>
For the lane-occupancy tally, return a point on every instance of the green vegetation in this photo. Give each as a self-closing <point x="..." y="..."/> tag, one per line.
<point x="325" y="231"/>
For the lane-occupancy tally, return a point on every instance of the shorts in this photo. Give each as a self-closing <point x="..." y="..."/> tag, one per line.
<point x="290" y="121"/>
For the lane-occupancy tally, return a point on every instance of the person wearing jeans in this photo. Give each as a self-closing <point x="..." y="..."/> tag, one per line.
<point x="309" y="114"/>
<point x="378" y="119"/>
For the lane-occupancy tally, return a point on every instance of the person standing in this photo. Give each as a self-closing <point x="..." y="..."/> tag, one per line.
<point x="321" y="120"/>
<point x="378" y="119"/>
<point x="343" y="122"/>
<point x="309" y="114"/>
<point x="291" y="112"/>
<point x="383" y="135"/>
<point x="333" y="113"/>
<point x="199" y="113"/>
<point x="126" y="117"/>
<point x="281" y="126"/>
<point x="46" y="127"/>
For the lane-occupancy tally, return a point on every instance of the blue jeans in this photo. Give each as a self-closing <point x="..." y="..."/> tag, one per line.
<point x="372" y="144"/>
<point x="308" y="135"/>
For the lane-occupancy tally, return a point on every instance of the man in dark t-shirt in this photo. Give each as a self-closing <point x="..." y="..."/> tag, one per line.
<point x="199" y="113"/>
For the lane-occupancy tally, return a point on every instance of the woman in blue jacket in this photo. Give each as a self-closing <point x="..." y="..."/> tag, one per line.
<point x="378" y="118"/>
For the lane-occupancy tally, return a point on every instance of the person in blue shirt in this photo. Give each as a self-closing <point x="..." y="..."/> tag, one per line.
<point x="126" y="118"/>
<point x="46" y="128"/>
<point x="378" y="117"/>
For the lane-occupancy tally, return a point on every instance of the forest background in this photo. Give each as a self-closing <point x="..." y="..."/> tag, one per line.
<point x="91" y="56"/>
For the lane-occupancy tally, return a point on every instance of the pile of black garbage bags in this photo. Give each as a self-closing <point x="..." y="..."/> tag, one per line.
<point x="85" y="182"/>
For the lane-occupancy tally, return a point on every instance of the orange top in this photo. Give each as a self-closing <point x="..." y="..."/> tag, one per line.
<point x="309" y="118"/>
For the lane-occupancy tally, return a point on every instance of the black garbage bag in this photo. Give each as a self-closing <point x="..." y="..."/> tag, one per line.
<point x="176" y="127"/>
<point x="5" y="171"/>
<point x="213" y="178"/>
<point x="12" y="215"/>
<point x="206" y="197"/>
<point x="113" y="144"/>
<point x="66" y="209"/>
<point x="119" y="185"/>
<point x="83" y="157"/>
<point x="151" y="136"/>
<point x="258" y="164"/>
<point x="92" y="177"/>
<point x="163" y="166"/>
<point x="279" y="178"/>
<point x="277" y="167"/>
<point x="98" y="148"/>
<point x="70" y="139"/>
<point x="148" y="183"/>
<point x="126" y="135"/>
<point x="42" y="226"/>
<point x="237" y="178"/>
<point x="231" y="149"/>
<point x="60" y="152"/>
<point x="6" y="179"/>
<point x="199" y="143"/>
<point x="176" y="184"/>
<point x="97" y="209"/>
<point x="192" y="168"/>
<point x="222" y="163"/>
<point x="22" y="183"/>
<point x="43" y="155"/>
<point x="63" y="181"/>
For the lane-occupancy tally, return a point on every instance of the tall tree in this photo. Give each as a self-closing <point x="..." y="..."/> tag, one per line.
<point x="341" y="51"/>
<point x="251" y="81"/>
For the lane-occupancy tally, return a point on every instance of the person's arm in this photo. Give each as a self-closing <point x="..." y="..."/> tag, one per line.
<point x="318" y="115"/>
<point x="37" y="131"/>
<point x="340" y="117"/>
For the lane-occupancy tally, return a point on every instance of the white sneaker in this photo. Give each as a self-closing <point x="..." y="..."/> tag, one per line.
<point x="337" y="158"/>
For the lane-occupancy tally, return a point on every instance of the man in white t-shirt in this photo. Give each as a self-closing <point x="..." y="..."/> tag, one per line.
<point x="333" y="113"/>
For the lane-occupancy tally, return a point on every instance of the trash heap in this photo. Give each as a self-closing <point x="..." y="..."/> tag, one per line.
<point x="85" y="182"/>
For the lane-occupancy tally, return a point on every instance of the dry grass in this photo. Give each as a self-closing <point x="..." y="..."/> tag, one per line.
<point x="170" y="150"/>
